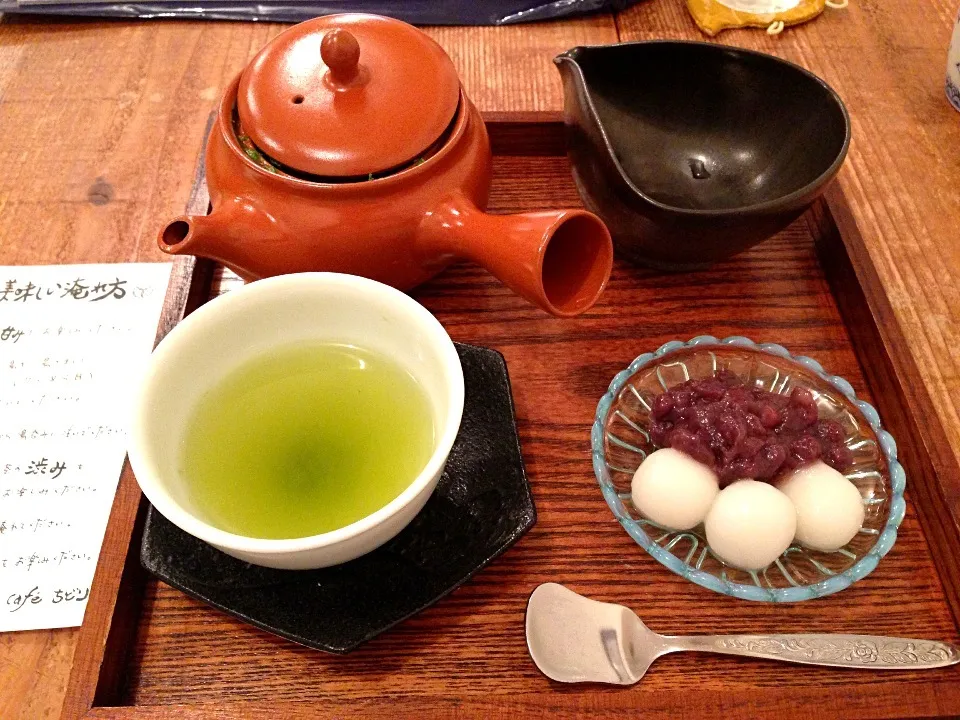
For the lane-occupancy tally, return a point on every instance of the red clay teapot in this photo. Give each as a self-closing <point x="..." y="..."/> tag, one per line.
<point x="349" y="145"/>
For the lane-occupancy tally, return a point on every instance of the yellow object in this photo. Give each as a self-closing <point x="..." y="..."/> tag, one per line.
<point x="712" y="16"/>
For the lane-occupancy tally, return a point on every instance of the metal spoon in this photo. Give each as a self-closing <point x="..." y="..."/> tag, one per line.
<point x="574" y="639"/>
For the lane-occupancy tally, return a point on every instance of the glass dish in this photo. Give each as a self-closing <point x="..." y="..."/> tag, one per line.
<point x="620" y="443"/>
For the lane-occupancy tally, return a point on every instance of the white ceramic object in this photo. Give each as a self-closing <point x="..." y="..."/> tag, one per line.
<point x="953" y="66"/>
<point x="236" y="327"/>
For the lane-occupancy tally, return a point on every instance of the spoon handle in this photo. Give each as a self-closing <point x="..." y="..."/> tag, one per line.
<point x="856" y="651"/>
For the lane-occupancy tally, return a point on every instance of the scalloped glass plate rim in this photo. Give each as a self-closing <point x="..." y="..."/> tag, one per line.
<point x="863" y="567"/>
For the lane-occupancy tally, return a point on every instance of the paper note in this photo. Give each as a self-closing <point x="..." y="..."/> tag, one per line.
<point x="73" y="341"/>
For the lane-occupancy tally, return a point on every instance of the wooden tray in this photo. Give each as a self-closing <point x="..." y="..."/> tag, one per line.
<point x="147" y="651"/>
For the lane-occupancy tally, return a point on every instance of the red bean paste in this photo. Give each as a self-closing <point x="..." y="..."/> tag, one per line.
<point x="745" y="432"/>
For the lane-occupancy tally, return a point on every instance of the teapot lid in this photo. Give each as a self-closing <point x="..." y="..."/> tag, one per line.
<point x="348" y="95"/>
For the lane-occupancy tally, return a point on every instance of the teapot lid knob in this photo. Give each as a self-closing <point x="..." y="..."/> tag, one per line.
<point x="311" y="102"/>
<point x="340" y="52"/>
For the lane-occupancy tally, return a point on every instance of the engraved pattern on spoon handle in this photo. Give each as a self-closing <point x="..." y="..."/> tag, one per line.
<point x="857" y="651"/>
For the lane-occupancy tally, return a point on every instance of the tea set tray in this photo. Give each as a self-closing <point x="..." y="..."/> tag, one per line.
<point x="148" y="650"/>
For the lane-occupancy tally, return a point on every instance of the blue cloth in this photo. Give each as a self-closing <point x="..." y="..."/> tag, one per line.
<point x="418" y="12"/>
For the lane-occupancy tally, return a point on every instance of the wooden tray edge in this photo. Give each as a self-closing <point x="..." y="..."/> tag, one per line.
<point x="922" y="701"/>
<point x="933" y="476"/>
<point x="103" y="639"/>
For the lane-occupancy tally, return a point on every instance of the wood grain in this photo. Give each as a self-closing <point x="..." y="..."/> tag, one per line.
<point x="907" y="406"/>
<point x="607" y="704"/>
<point x="466" y="656"/>
<point x="887" y="61"/>
<point x="511" y="68"/>
<point x="102" y="123"/>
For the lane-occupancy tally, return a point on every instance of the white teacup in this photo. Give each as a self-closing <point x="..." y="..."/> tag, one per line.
<point x="271" y="313"/>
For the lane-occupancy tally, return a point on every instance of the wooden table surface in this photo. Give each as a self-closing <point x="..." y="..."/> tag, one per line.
<point x="101" y="124"/>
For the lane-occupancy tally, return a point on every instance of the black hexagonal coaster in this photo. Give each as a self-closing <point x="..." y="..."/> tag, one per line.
<point x="481" y="506"/>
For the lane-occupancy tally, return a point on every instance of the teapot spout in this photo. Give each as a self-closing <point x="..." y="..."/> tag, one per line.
<point x="180" y="236"/>
<point x="559" y="260"/>
<point x="233" y="234"/>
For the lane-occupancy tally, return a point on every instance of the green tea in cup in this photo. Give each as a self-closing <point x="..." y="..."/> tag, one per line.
<point x="299" y="421"/>
<point x="305" y="439"/>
